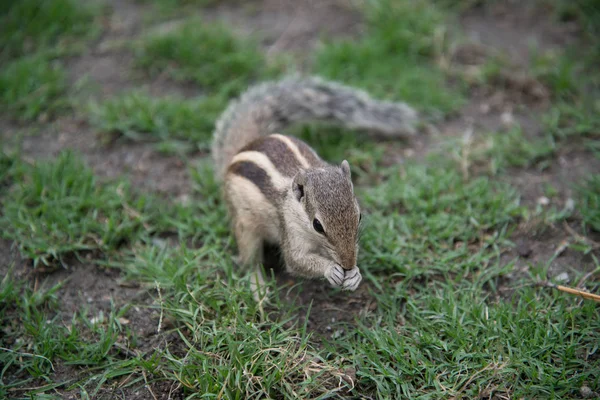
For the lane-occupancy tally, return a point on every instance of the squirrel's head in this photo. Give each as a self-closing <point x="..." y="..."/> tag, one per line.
<point x="332" y="211"/>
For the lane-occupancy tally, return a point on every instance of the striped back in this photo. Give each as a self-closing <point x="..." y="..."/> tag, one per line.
<point x="270" y="163"/>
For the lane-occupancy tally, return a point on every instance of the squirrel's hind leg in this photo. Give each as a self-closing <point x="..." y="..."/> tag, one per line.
<point x="250" y="248"/>
<point x="249" y="243"/>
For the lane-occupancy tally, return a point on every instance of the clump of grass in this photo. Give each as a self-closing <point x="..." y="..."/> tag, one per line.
<point x="36" y="339"/>
<point x="558" y="72"/>
<point x="207" y="54"/>
<point x="512" y="148"/>
<point x="59" y="208"/>
<point x="215" y="316"/>
<point x="32" y="87"/>
<point x="422" y="219"/>
<point x="27" y="26"/>
<point x="203" y="219"/>
<point x="394" y="59"/>
<point x="9" y="168"/>
<point x="139" y="116"/>
<point x="589" y="193"/>
<point x="493" y="153"/>
<point x="566" y="120"/>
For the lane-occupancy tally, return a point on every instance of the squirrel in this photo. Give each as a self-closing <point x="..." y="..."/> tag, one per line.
<point x="279" y="192"/>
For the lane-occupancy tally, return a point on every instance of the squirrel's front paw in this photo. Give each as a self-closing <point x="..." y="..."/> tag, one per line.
<point x="335" y="275"/>
<point x="352" y="279"/>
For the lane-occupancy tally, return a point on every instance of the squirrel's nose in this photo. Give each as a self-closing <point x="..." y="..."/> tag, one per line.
<point x="349" y="261"/>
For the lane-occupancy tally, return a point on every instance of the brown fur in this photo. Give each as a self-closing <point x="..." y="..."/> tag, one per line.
<point x="273" y="205"/>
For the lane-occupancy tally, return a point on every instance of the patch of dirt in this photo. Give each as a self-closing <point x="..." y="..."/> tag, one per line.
<point x="560" y="178"/>
<point x="282" y="25"/>
<point x="107" y="67"/>
<point x="514" y="26"/>
<point x="291" y="25"/>
<point x="510" y="29"/>
<point x="487" y="111"/>
<point x="161" y="390"/>
<point x="139" y="162"/>
<point x="331" y="312"/>
<point x="539" y="245"/>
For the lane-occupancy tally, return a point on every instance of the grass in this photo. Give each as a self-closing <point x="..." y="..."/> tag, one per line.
<point x="59" y="209"/>
<point x="32" y="88"/>
<point x="427" y="218"/>
<point x="494" y="153"/>
<point x="173" y="122"/>
<point x="209" y="55"/>
<point x="590" y="202"/>
<point x="36" y="338"/>
<point x="567" y="121"/>
<point x="453" y="314"/>
<point x="9" y="167"/>
<point x="456" y="341"/>
<point x="210" y="354"/>
<point x="31" y="25"/>
<point x="218" y="355"/>
<point x="573" y="77"/>
<point x="431" y="253"/>
<point x="33" y="35"/>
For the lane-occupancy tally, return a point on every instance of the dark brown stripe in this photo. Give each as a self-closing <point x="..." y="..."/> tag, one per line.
<point x="256" y="175"/>
<point x="279" y="154"/>
<point x="307" y="152"/>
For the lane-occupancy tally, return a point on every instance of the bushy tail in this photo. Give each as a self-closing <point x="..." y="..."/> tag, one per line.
<point x="271" y="106"/>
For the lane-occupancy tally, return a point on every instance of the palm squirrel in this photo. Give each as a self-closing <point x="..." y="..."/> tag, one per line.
<point x="277" y="189"/>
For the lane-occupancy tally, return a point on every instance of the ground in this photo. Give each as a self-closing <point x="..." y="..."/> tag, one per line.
<point x="122" y="285"/>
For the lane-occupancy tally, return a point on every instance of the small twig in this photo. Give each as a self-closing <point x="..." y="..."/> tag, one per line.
<point x="160" y="319"/>
<point x="467" y="141"/>
<point x="171" y="390"/>
<point x="577" y="236"/>
<point x="562" y="247"/>
<point x="124" y="381"/>
<point x="148" y="386"/>
<point x="578" y="292"/>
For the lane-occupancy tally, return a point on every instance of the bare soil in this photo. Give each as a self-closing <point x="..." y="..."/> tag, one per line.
<point x="291" y="25"/>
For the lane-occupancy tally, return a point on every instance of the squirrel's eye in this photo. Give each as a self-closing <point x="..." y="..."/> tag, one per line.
<point x="317" y="225"/>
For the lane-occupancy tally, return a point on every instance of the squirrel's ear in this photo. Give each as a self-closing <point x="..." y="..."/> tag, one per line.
<point x="346" y="169"/>
<point x="298" y="185"/>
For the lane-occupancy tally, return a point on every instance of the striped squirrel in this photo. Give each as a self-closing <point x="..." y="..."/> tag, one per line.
<point x="277" y="189"/>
